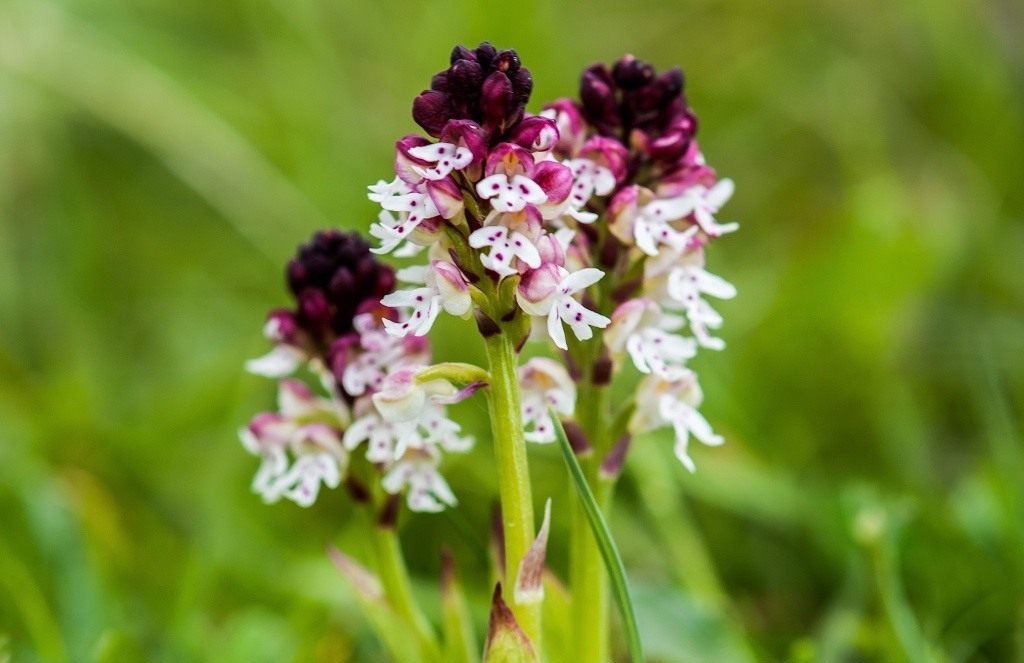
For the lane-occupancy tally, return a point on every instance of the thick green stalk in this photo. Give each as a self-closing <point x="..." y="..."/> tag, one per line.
<point x="513" y="474"/>
<point x="394" y="578"/>
<point x="587" y="576"/>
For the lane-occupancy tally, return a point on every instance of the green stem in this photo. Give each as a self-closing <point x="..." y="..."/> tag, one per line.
<point x="513" y="474"/>
<point x="609" y="554"/>
<point x="587" y="576"/>
<point x="394" y="577"/>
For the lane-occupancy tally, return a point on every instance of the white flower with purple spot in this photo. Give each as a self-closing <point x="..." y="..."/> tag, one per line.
<point x="545" y="383"/>
<point x="640" y="328"/>
<point x="446" y="157"/>
<point x="685" y="286"/>
<point x="416" y="472"/>
<point x="413" y="207"/>
<point x="674" y="403"/>
<point x="297" y="431"/>
<point x="549" y="291"/>
<point x="443" y="288"/>
<point x="505" y="247"/>
<point x="589" y="178"/>
<point x="320" y="459"/>
<point x="704" y="203"/>
<point x="653" y="225"/>
<point x="510" y="193"/>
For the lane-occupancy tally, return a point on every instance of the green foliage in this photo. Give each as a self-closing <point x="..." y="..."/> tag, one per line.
<point x="161" y="159"/>
<point x="605" y="543"/>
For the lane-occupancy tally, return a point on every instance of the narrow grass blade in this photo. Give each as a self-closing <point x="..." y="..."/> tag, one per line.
<point x="605" y="543"/>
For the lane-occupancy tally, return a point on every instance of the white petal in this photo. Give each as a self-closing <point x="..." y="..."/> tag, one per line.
<point x="580" y="280"/>
<point x="424" y="325"/>
<point x="720" y="193"/>
<point x="644" y="238"/>
<point x="486" y="187"/>
<point x="433" y="152"/>
<point x="604" y="181"/>
<point x="669" y="210"/>
<point x="487" y="236"/>
<point x="282" y="361"/>
<point x="412" y="274"/>
<point x="682" y="455"/>
<point x="701" y="429"/>
<point x="529" y="190"/>
<point x="555" y="328"/>
<point x="524" y="249"/>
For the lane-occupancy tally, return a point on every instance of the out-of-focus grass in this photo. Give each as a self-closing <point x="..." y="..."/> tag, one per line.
<point x="161" y="159"/>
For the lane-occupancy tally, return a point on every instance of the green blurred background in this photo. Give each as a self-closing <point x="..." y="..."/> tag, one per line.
<point x="160" y="159"/>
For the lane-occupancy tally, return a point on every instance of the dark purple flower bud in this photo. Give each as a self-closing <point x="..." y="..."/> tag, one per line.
<point x="439" y="81"/>
<point x="314" y="312"/>
<point x="497" y="101"/>
<point x="630" y="73"/>
<point x="464" y="79"/>
<point x="462" y="53"/>
<point x="522" y="83"/>
<point x="432" y="110"/>
<point x="485" y="53"/>
<point x="597" y="96"/>
<point x="669" y="147"/>
<point x="333" y="277"/>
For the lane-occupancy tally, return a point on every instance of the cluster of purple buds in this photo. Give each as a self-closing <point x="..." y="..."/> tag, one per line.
<point x="612" y="189"/>
<point x="583" y="228"/>
<point x="645" y="110"/>
<point x="334" y="277"/>
<point x="592" y="216"/>
<point x="483" y="85"/>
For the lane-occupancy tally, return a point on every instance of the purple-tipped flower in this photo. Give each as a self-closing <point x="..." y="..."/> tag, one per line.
<point x="644" y="109"/>
<point x="333" y="277"/>
<point x="487" y="86"/>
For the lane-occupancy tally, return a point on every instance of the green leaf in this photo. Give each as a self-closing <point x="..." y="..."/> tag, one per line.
<point x="459" y="643"/>
<point x="605" y="543"/>
<point x="390" y="627"/>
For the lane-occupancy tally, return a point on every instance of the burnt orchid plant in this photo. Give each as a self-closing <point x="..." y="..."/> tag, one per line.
<point x="580" y="230"/>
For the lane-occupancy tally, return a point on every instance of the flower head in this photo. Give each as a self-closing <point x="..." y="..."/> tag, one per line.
<point x="643" y="108"/>
<point x="484" y="85"/>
